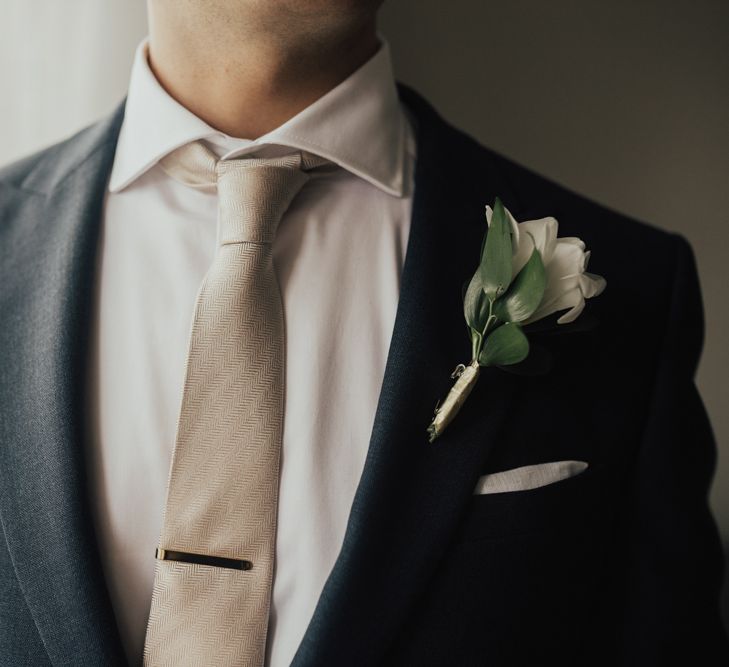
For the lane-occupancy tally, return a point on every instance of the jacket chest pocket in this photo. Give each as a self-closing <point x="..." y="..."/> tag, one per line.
<point x="559" y="507"/>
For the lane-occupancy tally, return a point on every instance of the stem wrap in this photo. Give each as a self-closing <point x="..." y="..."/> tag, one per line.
<point x="445" y="413"/>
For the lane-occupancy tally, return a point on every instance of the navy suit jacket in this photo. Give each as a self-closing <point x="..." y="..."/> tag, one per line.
<point x="620" y="565"/>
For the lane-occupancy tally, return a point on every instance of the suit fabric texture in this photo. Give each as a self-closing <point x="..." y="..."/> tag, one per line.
<point x="619" y="565"/>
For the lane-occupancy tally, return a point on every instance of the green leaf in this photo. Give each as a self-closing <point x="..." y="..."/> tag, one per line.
<point x="476" y="303"/>
<point x="525" y="293"/>
<point x="495" y="267"/>
<point x="506" y="345"/>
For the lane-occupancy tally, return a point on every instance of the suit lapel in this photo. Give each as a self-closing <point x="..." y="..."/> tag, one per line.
<point x="45" y="294"/>
<point x="411" y="493"/>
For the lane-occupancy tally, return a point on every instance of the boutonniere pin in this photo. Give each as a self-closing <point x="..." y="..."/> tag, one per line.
<point x="525" y="274"/>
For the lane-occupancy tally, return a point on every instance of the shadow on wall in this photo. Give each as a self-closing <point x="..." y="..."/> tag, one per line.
<point x="725" y="592"/>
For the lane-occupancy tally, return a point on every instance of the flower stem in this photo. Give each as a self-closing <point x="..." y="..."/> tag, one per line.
<point x="477" y="341"/>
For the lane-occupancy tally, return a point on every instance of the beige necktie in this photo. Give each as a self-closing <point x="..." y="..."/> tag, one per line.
<point x="214" y="567"/>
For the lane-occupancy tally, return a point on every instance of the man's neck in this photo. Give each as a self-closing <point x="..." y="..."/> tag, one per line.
<point x="247" y="85"/>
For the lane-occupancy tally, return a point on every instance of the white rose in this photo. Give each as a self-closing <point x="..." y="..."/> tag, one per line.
<point x="565" y="260"/>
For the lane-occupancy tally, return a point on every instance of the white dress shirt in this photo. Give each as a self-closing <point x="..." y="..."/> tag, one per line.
<point x="338" y="256"/>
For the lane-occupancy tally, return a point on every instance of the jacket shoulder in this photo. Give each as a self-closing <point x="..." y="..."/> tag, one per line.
<point x="45" y="169"/>
<point x="527" y="193"/>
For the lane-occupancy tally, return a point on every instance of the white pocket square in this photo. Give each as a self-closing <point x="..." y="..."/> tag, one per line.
<point x="528" y="477"/>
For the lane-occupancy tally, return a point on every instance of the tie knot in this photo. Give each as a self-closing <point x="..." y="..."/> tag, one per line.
<point x="253" y="193"/>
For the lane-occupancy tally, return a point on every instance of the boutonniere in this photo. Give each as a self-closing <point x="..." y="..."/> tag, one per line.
<point x="525" y="274"/>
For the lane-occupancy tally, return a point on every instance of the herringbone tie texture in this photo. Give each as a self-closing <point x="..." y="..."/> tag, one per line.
<point x="223" y="483"/>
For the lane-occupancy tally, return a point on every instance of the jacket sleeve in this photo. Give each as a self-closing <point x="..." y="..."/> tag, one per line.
<point x="674" y="556"/>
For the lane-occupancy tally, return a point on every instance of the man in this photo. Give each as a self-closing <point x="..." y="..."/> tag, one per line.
<point x="179" y="486"/>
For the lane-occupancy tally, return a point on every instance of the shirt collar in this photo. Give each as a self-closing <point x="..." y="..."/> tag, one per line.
<point x="358" y="125"/>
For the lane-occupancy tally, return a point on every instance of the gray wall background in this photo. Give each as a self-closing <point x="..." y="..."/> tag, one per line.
<point x="624" y="101"/>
